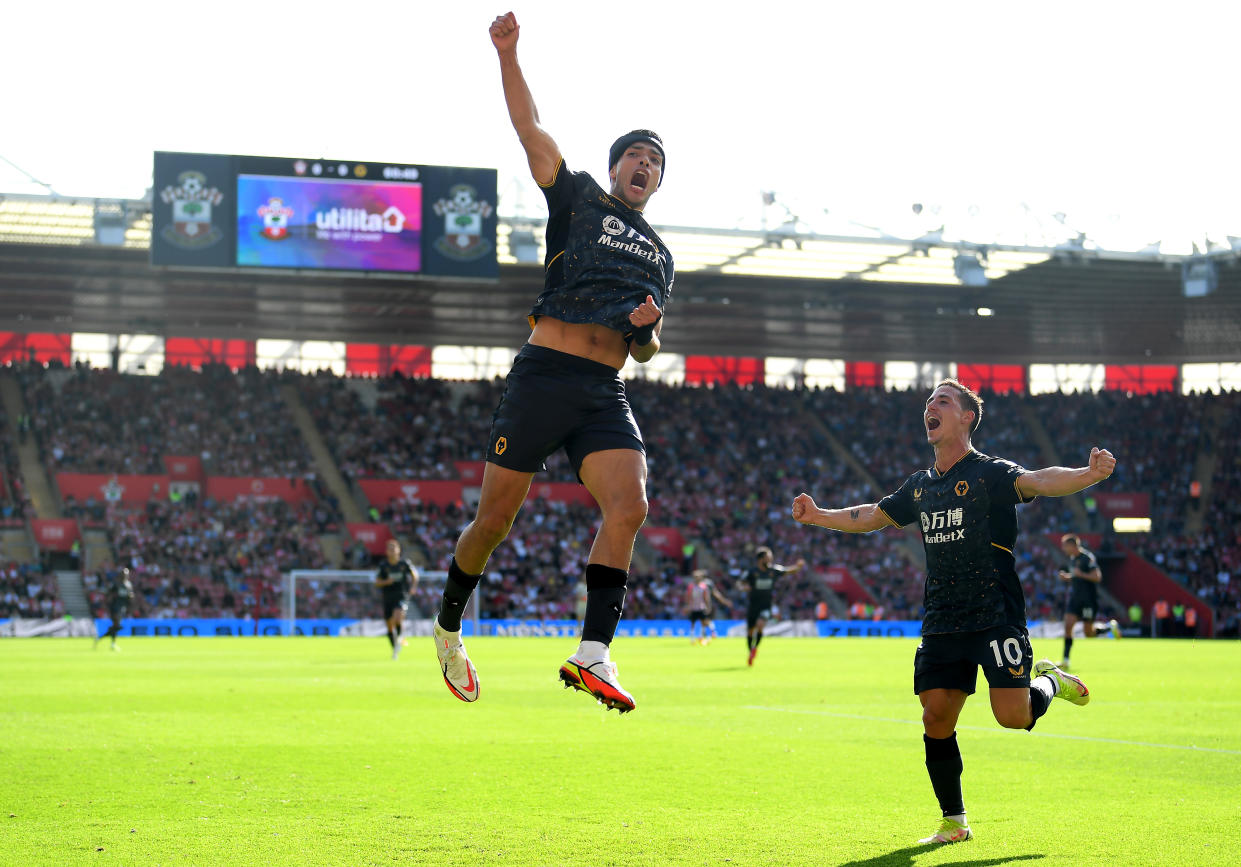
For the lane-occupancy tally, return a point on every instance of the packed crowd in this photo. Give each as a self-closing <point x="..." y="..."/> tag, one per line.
<point x="27" y="590"/>
<point x="1157" y="437"/>
<point x="91" y="420"/>
<point x="15" y="506"/>
<point x="725" y="463"/>
<point x="412" y="428"/>
<point x="208" y="559"/>
<point x="1209" y="562"/>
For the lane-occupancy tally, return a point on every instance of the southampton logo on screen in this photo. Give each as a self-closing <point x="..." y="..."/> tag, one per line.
<point x="192" y="201"/>
<point x="463" y="214"/>
<point x="276" y="217"/>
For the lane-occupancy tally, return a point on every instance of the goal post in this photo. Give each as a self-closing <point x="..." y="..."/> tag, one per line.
<point x="351" y="594"/>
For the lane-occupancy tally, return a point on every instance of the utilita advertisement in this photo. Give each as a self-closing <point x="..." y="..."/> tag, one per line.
<point x="311" y="223"/>
<point x="349" y="217"/>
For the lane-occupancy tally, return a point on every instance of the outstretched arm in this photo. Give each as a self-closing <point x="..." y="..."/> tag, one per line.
<point x="541" y="151"/>
<point x="1062" y="481"/>
<point x="855" y="519"/>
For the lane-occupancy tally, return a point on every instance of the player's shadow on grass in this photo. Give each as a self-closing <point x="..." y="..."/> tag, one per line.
<point x="905" y="858"/>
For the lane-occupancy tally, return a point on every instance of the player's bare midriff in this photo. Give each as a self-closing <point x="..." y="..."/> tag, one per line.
<point x="596" y="342"/>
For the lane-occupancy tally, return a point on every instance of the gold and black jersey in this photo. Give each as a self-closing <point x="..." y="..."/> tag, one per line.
<point x="968" y="519"/>
<point x="603" y="258"/>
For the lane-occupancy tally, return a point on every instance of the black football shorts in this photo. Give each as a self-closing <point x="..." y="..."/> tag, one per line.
<point x="391" y="606"/>
<point x="951" y="660"/>
<point x="1082" y="608"/>
<point x="755" y="613"/>
<point x="554" y="400"/>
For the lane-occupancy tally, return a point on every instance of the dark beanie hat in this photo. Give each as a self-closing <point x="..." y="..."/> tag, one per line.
<point x="638" y="135"/>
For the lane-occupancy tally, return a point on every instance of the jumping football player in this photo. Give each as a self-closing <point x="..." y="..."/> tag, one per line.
<point x="608" y="278"/>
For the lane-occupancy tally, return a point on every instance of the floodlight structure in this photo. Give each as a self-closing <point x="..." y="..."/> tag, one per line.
<point x="970" y="270"/>
<point x="1199" y="277"/>
<point x="110" y="223"/>
<point x="524" y="245"/>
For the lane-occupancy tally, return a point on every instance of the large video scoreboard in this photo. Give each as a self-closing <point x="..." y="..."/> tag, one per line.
<point x="224" y="211"/>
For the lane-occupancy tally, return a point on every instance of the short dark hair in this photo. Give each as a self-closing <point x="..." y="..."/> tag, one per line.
<point x="758" y="552"/>
<point x="1071" y="537"/>
<point x="969" y="399"/>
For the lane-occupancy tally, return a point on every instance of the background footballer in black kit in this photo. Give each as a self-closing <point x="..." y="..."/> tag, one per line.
<point x="760" y="582"/>
<point x="396" y="577"/>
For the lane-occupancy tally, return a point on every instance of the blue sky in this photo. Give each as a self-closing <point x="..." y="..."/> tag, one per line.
<point x="1008" y="122"/>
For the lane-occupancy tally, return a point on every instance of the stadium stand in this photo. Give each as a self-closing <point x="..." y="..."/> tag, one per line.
<point x="403" y="427"/>
<point x="27" y="590"/>
<point x="725" y="460"/>
<point x="209" y="559"/>
<point x="724" y="463"/>
<point x="15" y="506"/>
<point x="90" y="420"/>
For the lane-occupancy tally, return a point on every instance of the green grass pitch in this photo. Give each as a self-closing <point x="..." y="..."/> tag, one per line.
<point x="326" y="751"/>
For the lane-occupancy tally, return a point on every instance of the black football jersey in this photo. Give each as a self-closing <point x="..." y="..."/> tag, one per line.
<point x="761" y="583"/>
<point x="403" y="571"/>
<point x="968" y="519"/>
<point x="603" y="258"/>
<point x="1082" y="591"/>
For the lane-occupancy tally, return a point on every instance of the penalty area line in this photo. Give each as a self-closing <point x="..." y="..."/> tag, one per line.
<point x="1093" y="740"/>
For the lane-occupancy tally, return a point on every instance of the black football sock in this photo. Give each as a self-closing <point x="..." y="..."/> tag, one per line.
<point x="1068" y="646"/>
<point x="605" y="599"/>
<point x="758" y="639"/>
<point x="1042" y="690"/>
<point x="943" y="763"/>
<point x="457" y="589"/>
<point x="391" y="640"/>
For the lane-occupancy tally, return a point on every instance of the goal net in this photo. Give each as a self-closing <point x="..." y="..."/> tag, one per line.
<point x="351" y="594"/>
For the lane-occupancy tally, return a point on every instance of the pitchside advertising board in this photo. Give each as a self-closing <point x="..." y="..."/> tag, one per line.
<point x="225" y="211"/>
<point x="509" y="628"/>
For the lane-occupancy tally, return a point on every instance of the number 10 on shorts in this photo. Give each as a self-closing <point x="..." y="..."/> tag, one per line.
<point x="1011" y="648"/>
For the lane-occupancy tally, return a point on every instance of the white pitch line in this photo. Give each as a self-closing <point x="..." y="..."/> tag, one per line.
<point x="911" y="722"/>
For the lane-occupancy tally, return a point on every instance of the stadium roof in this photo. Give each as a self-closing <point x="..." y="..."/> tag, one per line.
<point x="82" y="265"/>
